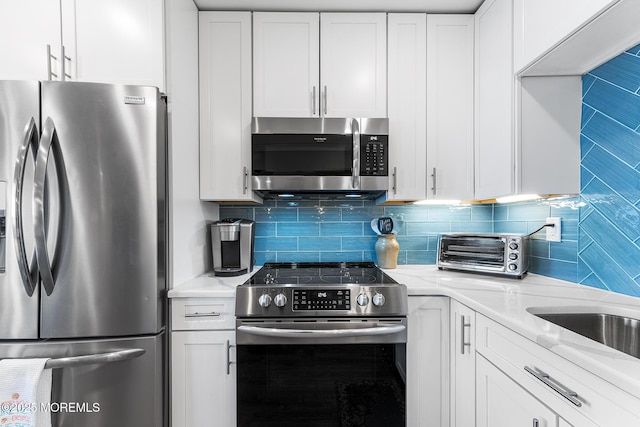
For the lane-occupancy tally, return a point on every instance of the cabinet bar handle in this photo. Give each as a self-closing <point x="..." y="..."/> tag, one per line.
<point x="464" y="343"/>
<point x="433" y="176"/>
<point x="395" y="180"/>
<point x="313" y="101"/>
<point x="245" y="184"/>
<point x="64" y="58"/>
<point x="196" y="314"/>
<point x="563" y="391"/>
<point x="228" y="361"/>
<point x="325" y="100"/>
<point x="50" y="73"/>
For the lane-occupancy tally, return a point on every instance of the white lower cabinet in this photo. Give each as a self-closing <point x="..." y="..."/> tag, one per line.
<point x="463" y="365"/>
<point x="428" y="362"/>
<point x="503" y="403"/>
<point x="203" y="369"/>
<point x="517" y="376"/>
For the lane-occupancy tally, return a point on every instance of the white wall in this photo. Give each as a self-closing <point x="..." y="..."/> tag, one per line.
<point x="189" y="250"/>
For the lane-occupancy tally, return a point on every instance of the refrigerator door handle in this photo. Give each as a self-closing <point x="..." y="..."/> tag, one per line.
<point x="48" y="144"/>
<point x="94" y="359"/>
<point x="29" y="145"/>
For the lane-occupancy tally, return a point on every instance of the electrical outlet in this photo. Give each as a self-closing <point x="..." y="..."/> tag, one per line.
<point x="554" y="233"/>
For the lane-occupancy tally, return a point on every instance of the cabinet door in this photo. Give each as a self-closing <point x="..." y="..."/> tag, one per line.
<point x="463" y="365"/>
<point x="428" y="362"/>
<point x="28" y="26"/>
<point x="494" y="147"/>
<point x="225" y="106"/>
<point x="203" y="378"/>
<point x="116" y="41"/>
<point x="450" y="106"/>
<point x="353" y="64"/>
<point x="540" y="25"/>
<point x="501" y="402"/>
<point x="407" y="106"/>
<point x="286" y="64"/>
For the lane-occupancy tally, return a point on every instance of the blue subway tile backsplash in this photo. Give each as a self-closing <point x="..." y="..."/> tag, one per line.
<point x="609" y="228"/>
<point x="600" y="244"/>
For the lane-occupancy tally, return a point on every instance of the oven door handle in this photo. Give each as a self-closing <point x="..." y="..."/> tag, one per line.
<point x="322" y="333"/>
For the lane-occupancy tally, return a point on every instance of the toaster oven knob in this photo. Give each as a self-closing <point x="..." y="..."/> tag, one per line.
<point x="513" y="246"/>
<point x="264" y="300"/>
<point x="378" y="299"/>
<point x="280" y="300"/>
<point x="513" y="256"/>
<point x="513" y="267"/>
<point x="362" y="300"/>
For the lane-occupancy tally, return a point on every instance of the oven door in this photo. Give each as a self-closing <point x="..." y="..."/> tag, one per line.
<point x="321" y="372"/>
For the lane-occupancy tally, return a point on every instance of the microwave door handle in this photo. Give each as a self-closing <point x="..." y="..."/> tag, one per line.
<point x="355" y="170"/>
<point x="29" y="144"/>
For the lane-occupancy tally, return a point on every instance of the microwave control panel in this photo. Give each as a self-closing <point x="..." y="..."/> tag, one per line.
<point x="374" y="155"/>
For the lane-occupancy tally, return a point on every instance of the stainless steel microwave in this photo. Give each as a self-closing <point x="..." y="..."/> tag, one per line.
<point x="302" y="155"/>
<point x="502" y="254"/>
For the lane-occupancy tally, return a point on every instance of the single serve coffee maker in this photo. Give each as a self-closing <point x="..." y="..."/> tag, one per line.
<point x="232" y="241"/>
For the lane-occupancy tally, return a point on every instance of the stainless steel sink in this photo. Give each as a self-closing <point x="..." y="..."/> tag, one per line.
<point x="619" y="332"/>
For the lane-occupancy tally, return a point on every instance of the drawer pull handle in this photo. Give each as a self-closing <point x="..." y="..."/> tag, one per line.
<point x="563" y="391"/>
<point x="196" y="314"/>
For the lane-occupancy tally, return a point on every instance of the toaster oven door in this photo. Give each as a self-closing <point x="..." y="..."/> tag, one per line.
<point x="483" y="253"/>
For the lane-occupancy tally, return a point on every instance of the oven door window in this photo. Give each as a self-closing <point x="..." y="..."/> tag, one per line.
<point x="321" y="385"/>
<point x="316" y="155"/>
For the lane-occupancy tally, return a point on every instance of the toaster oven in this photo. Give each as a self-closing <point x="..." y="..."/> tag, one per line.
<point x="502" y="254"/>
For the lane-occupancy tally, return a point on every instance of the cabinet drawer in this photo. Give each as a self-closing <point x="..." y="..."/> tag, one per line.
<point x="202" y="313"/>
<point x="553" y="379"/>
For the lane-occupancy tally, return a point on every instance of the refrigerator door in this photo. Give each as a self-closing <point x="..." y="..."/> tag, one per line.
<point x="19" y="292"/>
<point x="100" y="186"/>
<point x="124" y="387"/>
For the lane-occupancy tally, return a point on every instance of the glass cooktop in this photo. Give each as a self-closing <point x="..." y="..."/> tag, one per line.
<point x="319" y="273"/>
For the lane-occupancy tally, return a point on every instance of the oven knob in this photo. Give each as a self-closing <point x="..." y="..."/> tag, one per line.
<point x="513" y="256"/>
<point x="280" y="300"/>
<point x="378" y="299"/>
<point x="513" y="246"/>
<point x="362" y="300"/>
<point x="264" y="300"/>
<point x="513" y="267"/>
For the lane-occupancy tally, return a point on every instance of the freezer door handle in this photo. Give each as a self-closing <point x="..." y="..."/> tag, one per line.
<point x="49" y="143"/>
<point x="29" y="145"/>
<point x="94" y="359"/>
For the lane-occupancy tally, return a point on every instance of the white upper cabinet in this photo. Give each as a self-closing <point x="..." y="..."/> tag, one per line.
<point x="353" y="66"/>
<point x="407" y="106"/>
<point x="286" y="64"/>
<point x="320" y="65"/>
<point x="494" y="88"/>
<point x="450" y="67"/>
<point x="539" y="25"/>
<point x="115" y="41"/>
<point x="119" y="41"/>
<point x="28" y="27"/>
<point x="225" y="106"/>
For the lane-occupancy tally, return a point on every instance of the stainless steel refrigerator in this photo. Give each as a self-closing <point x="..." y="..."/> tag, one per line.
<point x="83" y="245"/>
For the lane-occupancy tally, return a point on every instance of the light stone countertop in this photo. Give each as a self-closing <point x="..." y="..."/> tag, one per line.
<point x="504" y="300"/>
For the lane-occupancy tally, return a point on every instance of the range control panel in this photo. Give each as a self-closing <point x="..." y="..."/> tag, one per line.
<point x="322" y="299"/>
<point x="374" y="155"/>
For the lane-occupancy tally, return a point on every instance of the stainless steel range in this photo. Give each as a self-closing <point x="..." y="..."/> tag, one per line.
<point x="316" y="339"/>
